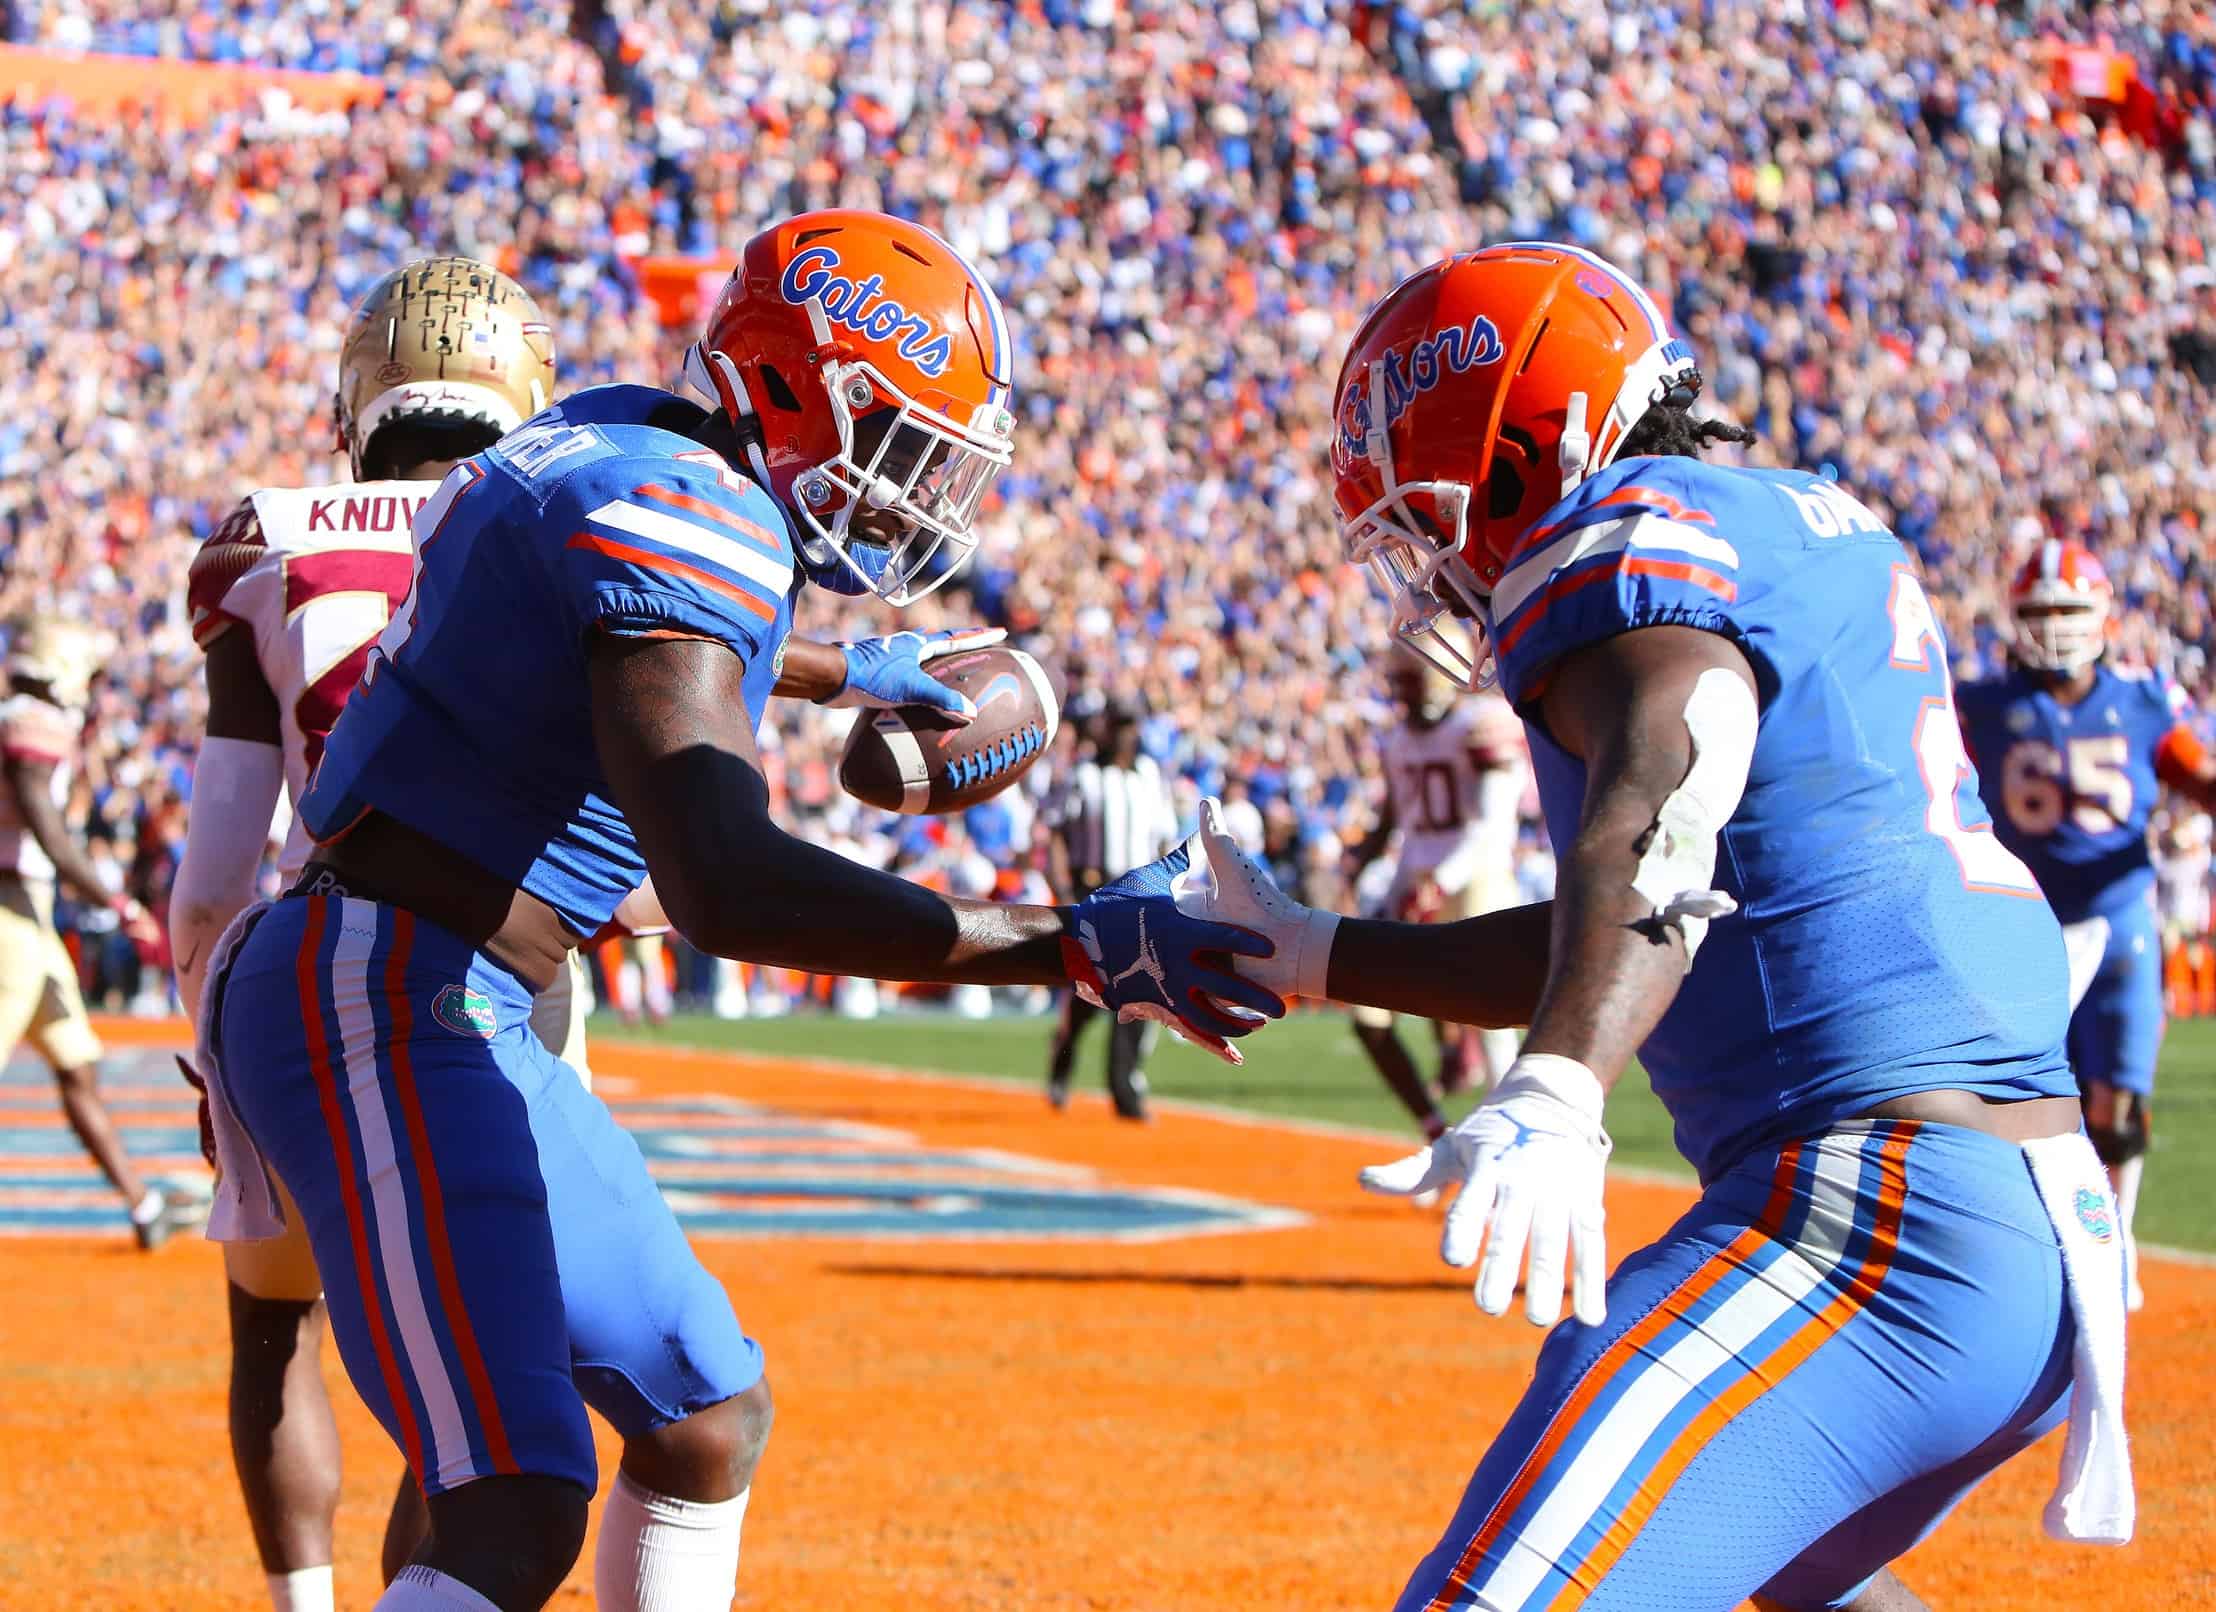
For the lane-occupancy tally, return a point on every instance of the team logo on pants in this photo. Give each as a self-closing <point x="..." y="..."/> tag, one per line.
<point x="464" y="1011"/>
<point x="2093" y="1214"/>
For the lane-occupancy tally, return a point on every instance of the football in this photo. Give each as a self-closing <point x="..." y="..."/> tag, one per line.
<point x="910" y="759"/>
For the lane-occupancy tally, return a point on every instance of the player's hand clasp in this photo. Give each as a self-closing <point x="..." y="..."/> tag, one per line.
<point x="1130" y="948"/>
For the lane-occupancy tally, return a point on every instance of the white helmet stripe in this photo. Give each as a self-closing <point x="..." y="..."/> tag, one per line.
<point x="1638" y="292"/>
<point x="1003" y="356"/>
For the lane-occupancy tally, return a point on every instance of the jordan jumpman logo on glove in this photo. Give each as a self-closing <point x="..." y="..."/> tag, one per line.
<point x="1128" y="948"/>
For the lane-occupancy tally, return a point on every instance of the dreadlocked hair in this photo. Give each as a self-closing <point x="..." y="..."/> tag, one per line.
<point x="424" y="437"/>
<point x="1669" y="429"/>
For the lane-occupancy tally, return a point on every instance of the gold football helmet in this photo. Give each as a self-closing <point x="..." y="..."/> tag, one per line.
<point x="60" y="653"/>
<point x="444" y="336"/>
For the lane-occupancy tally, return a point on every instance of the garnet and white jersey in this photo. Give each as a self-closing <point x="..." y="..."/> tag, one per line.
<point x="1454" y="788"/>
<point x="2182" y="861"/>
<point x="34" y="730"/>
<point x="313" y="574"/>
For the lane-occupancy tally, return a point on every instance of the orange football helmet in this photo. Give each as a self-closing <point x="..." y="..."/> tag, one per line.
<point x="874" y="366"/>
<point x="2060" y="601"/>
<point x="1477" y="394"/>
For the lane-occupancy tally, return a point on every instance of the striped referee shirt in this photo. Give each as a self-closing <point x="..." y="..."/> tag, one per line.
<point x="1113" y="818"/>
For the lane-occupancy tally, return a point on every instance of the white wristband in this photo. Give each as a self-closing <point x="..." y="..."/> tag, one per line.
<point x="1567" y="1081"/>
<point x="1312" y="973"/>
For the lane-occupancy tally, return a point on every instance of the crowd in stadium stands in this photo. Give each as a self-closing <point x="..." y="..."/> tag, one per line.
<point x="1959" y="251"/>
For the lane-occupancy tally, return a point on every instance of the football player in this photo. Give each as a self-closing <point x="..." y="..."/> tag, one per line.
<point x="2072" y="752"/>
<point x="1453" y="775"/>
<point x="566" y="702"/>
<point x="438" y="359"/>
<point x="51" y="662"/>
<point x="1778" y="888"/>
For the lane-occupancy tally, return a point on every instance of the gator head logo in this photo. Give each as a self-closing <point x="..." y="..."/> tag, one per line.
<point x="465" y="1011"/>
<point x="2094" y="1214"/>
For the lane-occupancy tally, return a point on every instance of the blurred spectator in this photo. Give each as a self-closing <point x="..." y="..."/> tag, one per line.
<point x="1112" y="814"/>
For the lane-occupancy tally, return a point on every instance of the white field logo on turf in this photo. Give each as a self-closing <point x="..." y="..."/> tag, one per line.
<point x="728" y="1168"/>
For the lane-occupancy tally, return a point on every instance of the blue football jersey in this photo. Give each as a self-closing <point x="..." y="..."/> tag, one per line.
<point x="2070" y="787"/>
<point x="1886" y="941"/>
<point x="473" y="723"/>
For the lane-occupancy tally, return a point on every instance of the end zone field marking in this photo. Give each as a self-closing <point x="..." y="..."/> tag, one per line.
<point x="1399" y="1142"/>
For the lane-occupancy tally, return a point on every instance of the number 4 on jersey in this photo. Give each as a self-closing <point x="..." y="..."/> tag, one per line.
<point x="1948" y="777"/>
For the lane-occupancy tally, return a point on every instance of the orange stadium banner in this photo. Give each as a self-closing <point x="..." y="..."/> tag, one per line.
<point x="100" y="86"/>
<point x="682" y="289"/>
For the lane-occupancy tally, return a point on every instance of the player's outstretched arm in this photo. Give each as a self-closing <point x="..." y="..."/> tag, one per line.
<point x="29" y="774"/>
<point x="1485" y="971"/>
<point x="676" y="744"/>
<point x="671" y="725"/>
<point x="1664" y="720"/>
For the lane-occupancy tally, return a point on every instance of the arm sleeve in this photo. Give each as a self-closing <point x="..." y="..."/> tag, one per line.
<point x="1644" y="554"/>
<point x="670" y="548"/>
<point x="229" y="553"/>
<point x="234" y="798"/>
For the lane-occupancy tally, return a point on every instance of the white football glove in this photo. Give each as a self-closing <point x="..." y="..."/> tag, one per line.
<point x="1529" y="1160"/>
<point x="1230" y="887"/>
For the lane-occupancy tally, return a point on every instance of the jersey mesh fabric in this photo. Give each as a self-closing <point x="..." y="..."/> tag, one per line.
<point x="2071" y="786"/>
<point x="1885" y="944"/>
<point x="473" y="725"/>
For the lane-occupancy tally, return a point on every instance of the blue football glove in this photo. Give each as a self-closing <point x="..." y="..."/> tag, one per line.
<point x="1128" y="948"/>
<point x="884" y="672"/>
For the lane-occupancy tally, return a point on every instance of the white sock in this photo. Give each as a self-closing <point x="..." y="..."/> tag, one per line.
<point x="425" y="1589"/>
<point x="306" y="1589"/>
<point x="655" y="1554"/>
<point x="2125" y="1179"/>
<point x="1500" y="1048"/>
<point x="144" y="1211"/>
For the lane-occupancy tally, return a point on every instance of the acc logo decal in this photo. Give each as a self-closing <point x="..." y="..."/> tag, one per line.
<point x="2093" y="1214"/>
<point x="465" y="1011"/>
<point x="865" y="309"/>
<point x="1408" y="375"/>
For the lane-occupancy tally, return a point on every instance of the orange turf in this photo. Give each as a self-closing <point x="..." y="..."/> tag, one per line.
<point x="1276" y="1420"/>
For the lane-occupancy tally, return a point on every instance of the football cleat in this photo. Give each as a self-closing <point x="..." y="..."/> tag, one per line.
<point x="176" y="1212"/>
